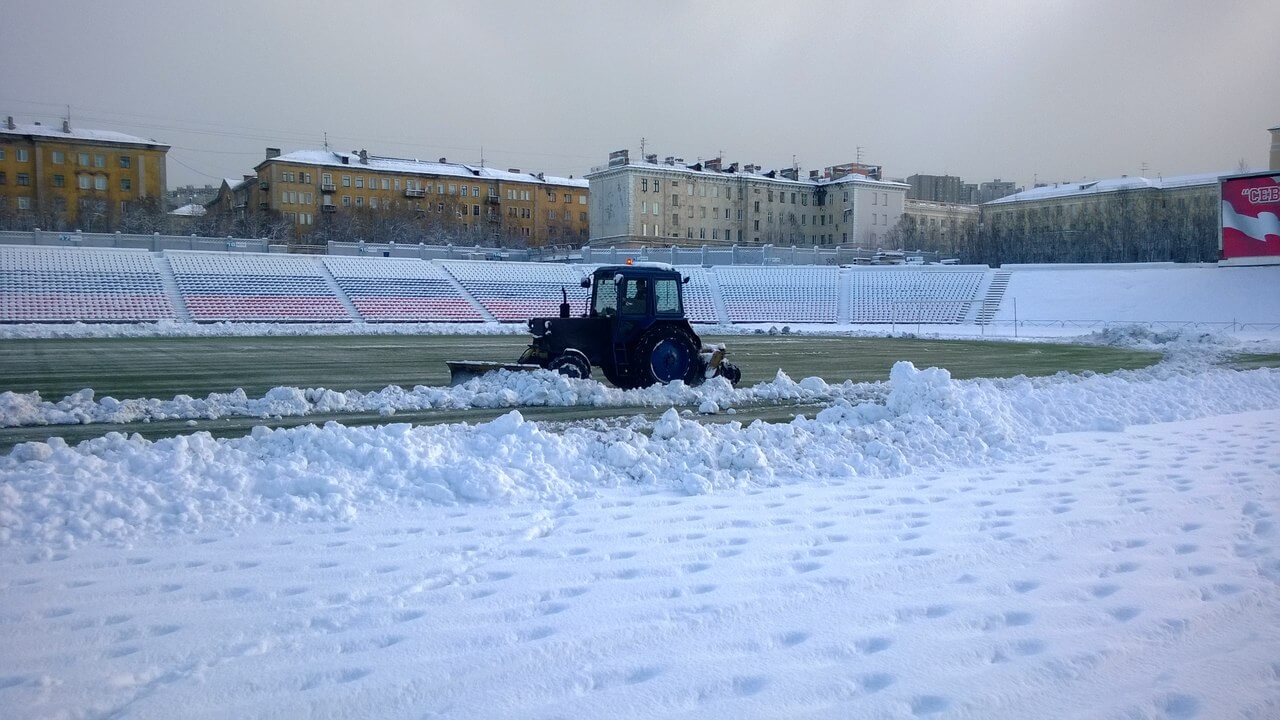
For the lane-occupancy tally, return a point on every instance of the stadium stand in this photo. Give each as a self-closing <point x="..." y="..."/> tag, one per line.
<point x="779" y="294"/>
<point x="52" y="284"/>
<point x="257" y="287"/>
<point x="516" y="291"/>
<point x="881" y="295"/>
<point x="400" y="290"/>
<point x="699" y="305"/>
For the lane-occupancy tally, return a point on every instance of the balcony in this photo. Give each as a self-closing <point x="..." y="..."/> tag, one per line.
<point x="328" y="187"/>
<point x="264" y="205"/>
<point x="328" y="207"/>
<point x="263" y="184"/>
<point x="492" y="199"/>
<point x="415" y="192"/>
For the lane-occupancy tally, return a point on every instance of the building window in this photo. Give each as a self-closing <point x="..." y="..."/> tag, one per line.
<point x="475" y="191"/>
<point x="59" y="157"/>
<point x="23" y="155"/>
<point x="126" y="184"/>
<point x="24" y="203"/>
<point x="84" y="181"/>
<point x="59" y="181"/>
<point x="386" y="184"/>
<point x="582" y="199"/>
<point x="346" y="181"/>
<point x="644" y="185"/>
<point x="582" y="217"/>
<point x="83" y="159"/>
<point x="1" y="153"/>
<point x="359" y="199"/>
<point x="346" y="200"/>
<point x="99" y="161"/>
<point x="359" y="184"/>
<point x="24" y="179"/>
<point x="127" y="162"/>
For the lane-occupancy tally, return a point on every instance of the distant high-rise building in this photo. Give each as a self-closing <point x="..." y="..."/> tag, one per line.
<point x="996" y="189"/>
<point x="937" y="188"/>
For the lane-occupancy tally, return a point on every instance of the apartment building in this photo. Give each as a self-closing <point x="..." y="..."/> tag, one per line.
<point x="309" y="188"/>
<point x="60" y="177"/>
<point x="674" y="203"/>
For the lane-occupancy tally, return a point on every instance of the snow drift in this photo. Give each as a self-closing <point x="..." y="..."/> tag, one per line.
<point x="118" y="486"/>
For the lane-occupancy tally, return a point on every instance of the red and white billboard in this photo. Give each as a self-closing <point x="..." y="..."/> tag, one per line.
<point x="1251" y="215"/>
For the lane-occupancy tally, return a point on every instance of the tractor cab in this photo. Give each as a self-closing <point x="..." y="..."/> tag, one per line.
<point x="634" y="330"/>
<point x="635" y="292"/>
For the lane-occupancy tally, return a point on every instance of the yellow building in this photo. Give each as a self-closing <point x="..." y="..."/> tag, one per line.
<point x="368" y="195"/>
<point x="63" y="178"/>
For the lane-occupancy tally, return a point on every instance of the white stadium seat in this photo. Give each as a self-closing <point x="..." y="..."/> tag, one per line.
<point x="888" y="295"/>
<point x="780" y="294"/>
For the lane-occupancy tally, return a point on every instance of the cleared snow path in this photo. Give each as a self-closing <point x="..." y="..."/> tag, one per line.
<point x="501" y="389"/>
<point x="1123" y="574"/>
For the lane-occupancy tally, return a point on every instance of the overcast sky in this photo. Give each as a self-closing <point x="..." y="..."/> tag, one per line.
<point x="1015" y="90"/>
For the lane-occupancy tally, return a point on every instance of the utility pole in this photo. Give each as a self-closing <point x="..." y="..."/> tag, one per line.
<point x="642" y="148"/>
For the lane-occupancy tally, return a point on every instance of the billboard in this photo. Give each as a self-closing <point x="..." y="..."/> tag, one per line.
<point x="1251" y="215"/>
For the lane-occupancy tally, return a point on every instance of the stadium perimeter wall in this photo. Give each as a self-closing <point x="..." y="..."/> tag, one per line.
<point x="1157" y="293"/>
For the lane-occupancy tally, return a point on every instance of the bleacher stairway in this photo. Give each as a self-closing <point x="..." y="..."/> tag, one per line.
<point x="994" y="295"/>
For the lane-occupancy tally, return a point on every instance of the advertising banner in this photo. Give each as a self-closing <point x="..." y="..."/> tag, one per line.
<point x="1251" y="216"/>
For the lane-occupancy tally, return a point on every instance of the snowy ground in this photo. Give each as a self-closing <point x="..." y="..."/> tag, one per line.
<point x="1070" y="546"/>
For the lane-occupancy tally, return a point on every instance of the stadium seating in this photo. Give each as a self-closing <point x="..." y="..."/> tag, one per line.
<point x="699" y="306"/>
<point x="780" y="294"/>
<point x="57" y="284"/>
<point x="54" y="284"/>
<point x="257" y="287"/>
<point x="516" y="291"/>
<point x="881" y="295"/>
<point x="400" y="290"/>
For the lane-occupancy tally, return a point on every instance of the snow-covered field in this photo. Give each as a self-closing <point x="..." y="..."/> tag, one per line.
<point x="1060" y="547"/>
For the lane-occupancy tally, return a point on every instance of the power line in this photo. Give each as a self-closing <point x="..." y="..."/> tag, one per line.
<point x="198" y="172"/>
<point x="255" y="133"/>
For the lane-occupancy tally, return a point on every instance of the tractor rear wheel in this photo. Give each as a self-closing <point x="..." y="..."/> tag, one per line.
<point x="571" y="363"/>
<point x="663" y="354"/>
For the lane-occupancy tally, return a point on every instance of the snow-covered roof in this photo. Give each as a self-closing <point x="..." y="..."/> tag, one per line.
<point x="778" y="177"/>
<point x="84" y="134"/>
<point x="410" y="166"/>
<point x="1095" y="187"/>
<point x="191" y="210"/>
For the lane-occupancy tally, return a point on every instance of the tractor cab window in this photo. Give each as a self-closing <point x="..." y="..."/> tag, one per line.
<point x="666" y="297"/>
<point x="606" y="300"/>
<point x="635" y="297"/>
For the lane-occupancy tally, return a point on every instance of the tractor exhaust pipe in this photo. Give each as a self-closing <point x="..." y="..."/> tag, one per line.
<point x="564" y="303"/>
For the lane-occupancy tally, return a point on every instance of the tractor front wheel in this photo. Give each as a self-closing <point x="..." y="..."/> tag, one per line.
<point x="663" y="354"/>
<point x="571" y="363"/>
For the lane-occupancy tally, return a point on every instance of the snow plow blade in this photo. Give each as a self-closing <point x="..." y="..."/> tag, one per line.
<point x="461" y="371"/>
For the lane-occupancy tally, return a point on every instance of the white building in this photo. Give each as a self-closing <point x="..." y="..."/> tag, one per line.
<point x="673" y="203"/>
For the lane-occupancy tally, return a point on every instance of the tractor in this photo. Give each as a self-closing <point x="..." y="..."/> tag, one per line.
<point x="634" y="331"/>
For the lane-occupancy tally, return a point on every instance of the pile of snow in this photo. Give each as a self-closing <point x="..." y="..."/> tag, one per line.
<point x="500" y="389"/>
<point x="118" y="486"/>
